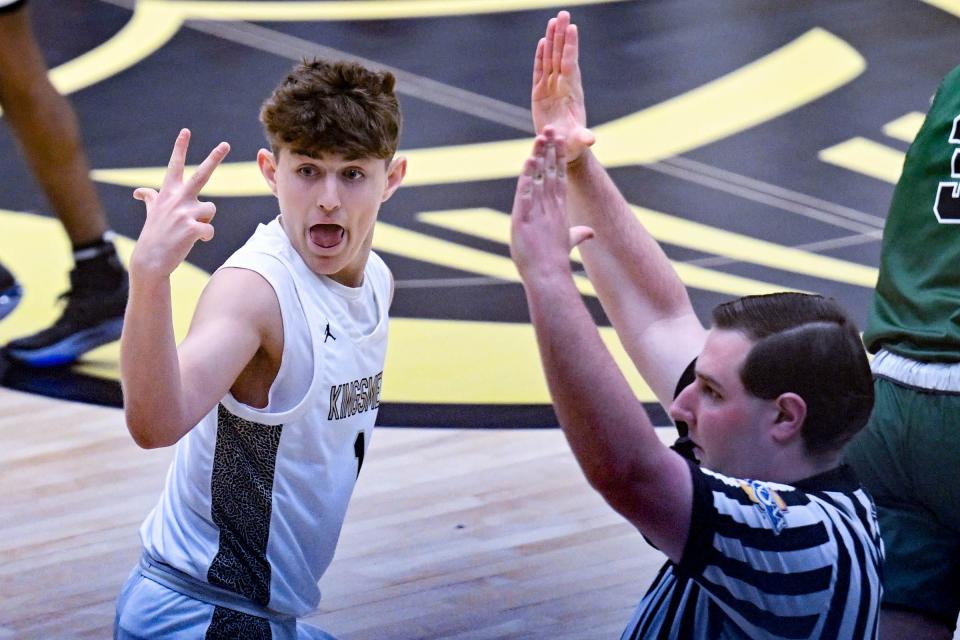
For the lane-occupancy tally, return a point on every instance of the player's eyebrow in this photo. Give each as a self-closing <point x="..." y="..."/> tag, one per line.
<point x="709" y="380"/>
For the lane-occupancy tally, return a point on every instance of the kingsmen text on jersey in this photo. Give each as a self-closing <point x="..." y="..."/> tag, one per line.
<point x="255" y="498"/>
<point x="765" y="560"/>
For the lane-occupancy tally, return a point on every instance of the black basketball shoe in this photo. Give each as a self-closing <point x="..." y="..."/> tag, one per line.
<point x="10" y="292"/>
<point x="93" y="316"/>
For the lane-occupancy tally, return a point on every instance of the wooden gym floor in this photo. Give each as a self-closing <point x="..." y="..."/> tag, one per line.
<point x="450" y="534"/>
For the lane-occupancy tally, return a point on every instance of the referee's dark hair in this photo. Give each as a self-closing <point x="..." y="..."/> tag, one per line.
<point x="805" y="344"/>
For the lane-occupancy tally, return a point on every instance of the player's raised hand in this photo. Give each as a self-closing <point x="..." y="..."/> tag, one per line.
<point x="557" y="96"/>
<point x="176" y="219"/>
<point x="541" y="237"/>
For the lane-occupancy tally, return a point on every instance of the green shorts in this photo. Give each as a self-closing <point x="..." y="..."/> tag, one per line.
<point x="908" y="458"/>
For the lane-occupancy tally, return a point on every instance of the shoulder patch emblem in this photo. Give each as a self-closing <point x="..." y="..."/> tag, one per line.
<point x="768" y="503"/>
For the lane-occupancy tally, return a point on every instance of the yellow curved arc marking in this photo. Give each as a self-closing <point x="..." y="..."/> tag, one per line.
<point x="355" y="10"/>
<point x="154" y="23"/>
<point x="495" y="226"/>
<point x="800" y="72"/>
<point x="150" y="27"/>
<point x="808" y="68"/>
<point x="950" y="6"/>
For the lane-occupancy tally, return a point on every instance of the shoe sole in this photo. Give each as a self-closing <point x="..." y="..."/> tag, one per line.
<point x="71" y="348"/>
<point x="9" y="300"/>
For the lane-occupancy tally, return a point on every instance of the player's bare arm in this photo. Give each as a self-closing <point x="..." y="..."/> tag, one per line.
<point x="235" y="343"/>
<point x="605" y="424"/>
<point x="637" y="286"/>
<point x="154" y="400"/>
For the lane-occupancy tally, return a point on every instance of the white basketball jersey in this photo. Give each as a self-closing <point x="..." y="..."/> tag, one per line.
<point x="255" y="498"/>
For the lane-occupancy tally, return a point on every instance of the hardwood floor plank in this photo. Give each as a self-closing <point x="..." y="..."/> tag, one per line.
<point x="460" y="534"/>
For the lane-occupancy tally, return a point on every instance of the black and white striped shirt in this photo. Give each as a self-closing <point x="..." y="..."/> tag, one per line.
<point x="766" y="560"/>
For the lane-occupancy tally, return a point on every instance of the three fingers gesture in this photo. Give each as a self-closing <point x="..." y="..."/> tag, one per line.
<point x="176" y="219"/>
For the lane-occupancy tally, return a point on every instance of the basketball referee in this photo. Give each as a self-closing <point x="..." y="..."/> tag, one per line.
<point x="769" y="536"/>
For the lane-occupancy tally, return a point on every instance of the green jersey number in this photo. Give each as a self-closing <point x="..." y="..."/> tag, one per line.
<point x="947" y="205"/>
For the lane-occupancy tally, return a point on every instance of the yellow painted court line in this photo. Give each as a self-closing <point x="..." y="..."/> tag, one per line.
<point x="467" y="362"/>
<point x="798" y="73"/>
<point x="950" y="6"/>
<point x="231" y="179"/>
<point x="477" y="363"/>
<point x="418" y="246"/>
<point x="905" y="127"/>
<point x="807" y="68"/>
<point x="702" y="237"/>
<point x="493" y="225"/>
<point x="147" y="31"/>
<point x="35" y="249"/>
<point x="355" y="10"/>
<point x="410" y="244"/>
<point x="867" y="157"/>
<point x="155" y="22"/>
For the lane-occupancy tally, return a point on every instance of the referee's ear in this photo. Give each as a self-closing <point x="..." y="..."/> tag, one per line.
<point x="791" y="414"/>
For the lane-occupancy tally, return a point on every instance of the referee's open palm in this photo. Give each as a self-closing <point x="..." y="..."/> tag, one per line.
<point x="557" y="99"/>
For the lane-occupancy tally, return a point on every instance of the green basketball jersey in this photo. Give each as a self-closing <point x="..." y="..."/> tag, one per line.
<point x="916" y="306"/>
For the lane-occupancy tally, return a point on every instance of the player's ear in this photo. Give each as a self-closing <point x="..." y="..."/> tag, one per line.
<point x="791" y="414"/>
<point x="396" y="171"/>
<point x="268" y="167"/>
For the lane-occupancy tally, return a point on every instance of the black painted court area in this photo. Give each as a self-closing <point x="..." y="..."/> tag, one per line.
<point x="635" y="55"/>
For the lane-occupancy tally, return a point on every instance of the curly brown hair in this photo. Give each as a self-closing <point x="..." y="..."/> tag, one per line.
<point x="334" y="107"/>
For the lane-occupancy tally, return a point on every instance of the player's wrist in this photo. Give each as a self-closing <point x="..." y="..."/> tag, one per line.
<point x="578" y="162"/>
<point x="147" y="274"/>
<point x="545" y="274"/>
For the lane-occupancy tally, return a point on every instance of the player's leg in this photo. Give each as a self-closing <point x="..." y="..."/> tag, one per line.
<point x="46" y="127"/>
<point x="902" y="460"/>
<point x="146" y="609"/>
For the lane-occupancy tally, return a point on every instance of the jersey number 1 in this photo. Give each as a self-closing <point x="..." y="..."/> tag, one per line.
<point x="359" y="450"/>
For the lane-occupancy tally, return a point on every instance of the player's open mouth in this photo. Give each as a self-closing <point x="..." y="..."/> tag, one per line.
<point x="326" y="236"/>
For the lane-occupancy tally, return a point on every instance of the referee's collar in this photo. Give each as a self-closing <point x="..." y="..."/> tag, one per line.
<point x="839" y="478"/>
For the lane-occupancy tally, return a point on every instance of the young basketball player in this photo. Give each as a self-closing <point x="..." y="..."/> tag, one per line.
<point x="272" y="396"/>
